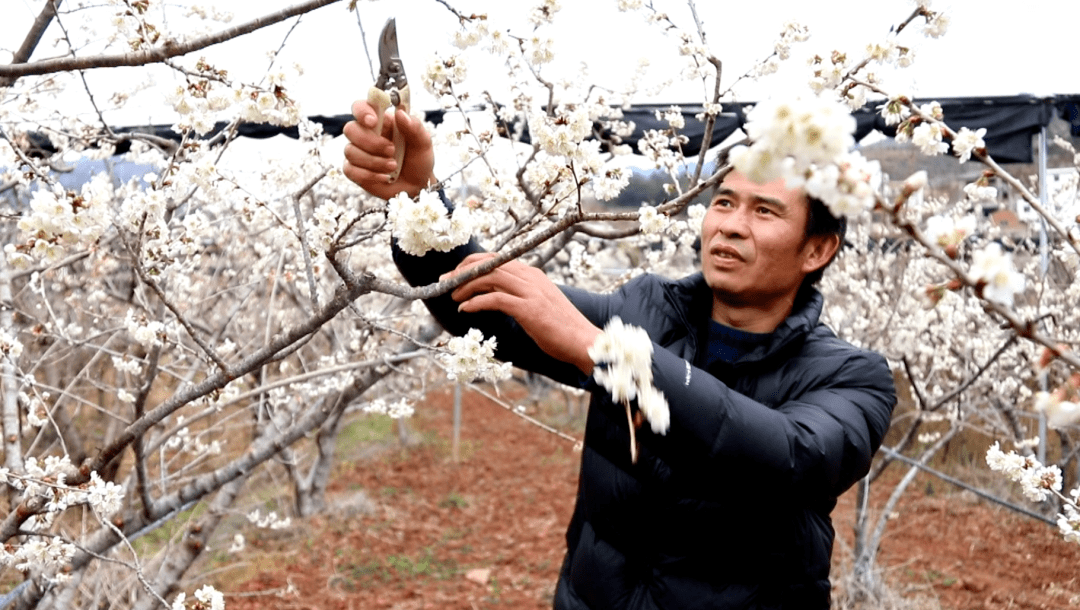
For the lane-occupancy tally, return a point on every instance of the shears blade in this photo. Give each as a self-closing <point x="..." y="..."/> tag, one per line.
<point x="391" y="71"/>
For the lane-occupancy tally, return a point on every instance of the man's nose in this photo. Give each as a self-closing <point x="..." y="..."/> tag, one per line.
<point x="735" y="223"/>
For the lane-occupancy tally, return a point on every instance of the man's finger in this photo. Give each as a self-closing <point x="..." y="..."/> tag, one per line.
<point x="366" y="139"/>
<point x="491" y="301"/>
<point x="363" y="159"/>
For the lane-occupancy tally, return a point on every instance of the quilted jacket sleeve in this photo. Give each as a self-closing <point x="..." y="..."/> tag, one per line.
<point x="824" y="439"/>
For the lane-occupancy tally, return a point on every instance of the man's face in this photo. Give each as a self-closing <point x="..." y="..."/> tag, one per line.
<point x="754" y="250"/>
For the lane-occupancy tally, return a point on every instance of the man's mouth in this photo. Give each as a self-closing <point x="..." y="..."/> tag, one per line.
<point x="726" y="252"/>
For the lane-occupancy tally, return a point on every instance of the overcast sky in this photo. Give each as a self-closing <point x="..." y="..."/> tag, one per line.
<point x="991" y="48"/>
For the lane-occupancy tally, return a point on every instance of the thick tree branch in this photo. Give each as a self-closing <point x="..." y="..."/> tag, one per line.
<point x="158" y="54"/>
<point x="33" y="37"/>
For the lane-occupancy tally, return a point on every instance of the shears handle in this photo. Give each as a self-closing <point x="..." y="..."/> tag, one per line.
<point x="381" y="101"/>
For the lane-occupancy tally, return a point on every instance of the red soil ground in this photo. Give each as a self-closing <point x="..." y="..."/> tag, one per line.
<point x="487" y="532"/>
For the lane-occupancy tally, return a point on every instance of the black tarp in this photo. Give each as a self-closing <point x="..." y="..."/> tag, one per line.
<point x="1010" y="122"/>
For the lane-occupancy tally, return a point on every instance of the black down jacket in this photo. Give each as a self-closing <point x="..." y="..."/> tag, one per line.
<point x="729" y="509"/>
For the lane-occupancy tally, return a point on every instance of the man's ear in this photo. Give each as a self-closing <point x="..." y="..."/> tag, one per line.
<point x="819" y="250"/>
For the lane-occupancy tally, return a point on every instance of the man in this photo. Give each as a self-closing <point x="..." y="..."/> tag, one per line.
<point x="772" y="416"/>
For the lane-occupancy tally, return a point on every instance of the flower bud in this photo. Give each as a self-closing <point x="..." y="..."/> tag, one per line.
<point x="914" y="182"/>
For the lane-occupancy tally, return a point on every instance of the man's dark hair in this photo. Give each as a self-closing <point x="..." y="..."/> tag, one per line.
<point x="820" y="221"/>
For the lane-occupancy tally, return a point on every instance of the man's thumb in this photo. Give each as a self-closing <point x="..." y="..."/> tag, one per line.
<point x="411" y="128"/>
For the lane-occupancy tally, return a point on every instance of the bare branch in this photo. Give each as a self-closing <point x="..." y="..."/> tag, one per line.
<point x="168" y="50"/>
<point x="33" y="37"/>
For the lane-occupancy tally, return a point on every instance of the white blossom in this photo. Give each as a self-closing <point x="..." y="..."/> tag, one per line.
<point x="441" y="75"/>
<point x="10" y="345"/>
<point x="652" y="222"/>
<point x="544" y="12"/>
<point x="977" y="192"/>
<point x="807" y="142"/>
<point x="936" y="25"/>
<point x="967" y="141"/>
<point x="395" y="410"/>
<point x="472" y="357"/>
<point x="211" y="597"/>
<point x="948" y="231"/>
<point x="674" y="117"/>
<point x="994" y="266"/>
<point x="106" y="497"/>
<point x="423" y="224"/>
<point x="1059" y="413"/>
<point x="927" y="136"/>
<point x="623" y="355"/>
<point x="238" y="543"/>
<point x="147" y="332"/>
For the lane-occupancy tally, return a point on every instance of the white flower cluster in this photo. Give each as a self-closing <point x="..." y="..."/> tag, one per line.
<point x="105" y="497"/>
<point x="208" y="598"/>
<point x="1038" y="482"/>
<point x="562" y="133"/>
<point x="793" y="32"/>
<point x="948" y="231"/>
<point x="545" y="12"/>
<point x="203" y="104"/>
<point x="477" y="29"/>
<point x="826" y="75"/>
<point x="674" y="117"/>
<point x="422" y="224"/>
<point x="566" y="159"/>
<point x="396" y="410"/>
<point x="926" y="134"/>
<point x="978" y="191"/>
<point x="184" y="440"/>
<point x="441" y="75"/>
<point x="610" y="183"/>
<point x="59" y="219"/>
<point x="936" y="24"/>
<point x="1060" y="413"/>
<point x="127" y="364"/>
<point x="849" y="186"/>
<point x="994" y="266"/>
<point x="540" y="50"/>
<point x="10" y="345"/>
<point x="44" y="555"/>
<point x="269" y="521"/>
<point x="623" y="355"/>
<point x="472" y="357"/>
<point x="147" y="332"/>
<point x="652" y="221"/>
<point x="806" y="142"/>
<point x="660" y="148"/>
<point x="928" y="137"/>
<point x="46" y="480"/>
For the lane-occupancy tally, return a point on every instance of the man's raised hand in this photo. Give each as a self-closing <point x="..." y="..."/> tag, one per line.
<point x="369" y="156"/>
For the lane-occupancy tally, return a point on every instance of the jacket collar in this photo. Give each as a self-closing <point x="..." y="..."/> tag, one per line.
<point x="693" y="296"/>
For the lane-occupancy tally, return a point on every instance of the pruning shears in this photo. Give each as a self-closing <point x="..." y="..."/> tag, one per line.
<point x="391" y="88"/>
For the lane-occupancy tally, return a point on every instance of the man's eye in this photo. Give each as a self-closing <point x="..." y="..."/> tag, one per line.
<point x="764" y="210"/>
<point x="723" y="203"/>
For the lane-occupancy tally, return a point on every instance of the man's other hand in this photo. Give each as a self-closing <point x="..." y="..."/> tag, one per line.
<point x="369" y="156"/>
<point x="527" y="295"/>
